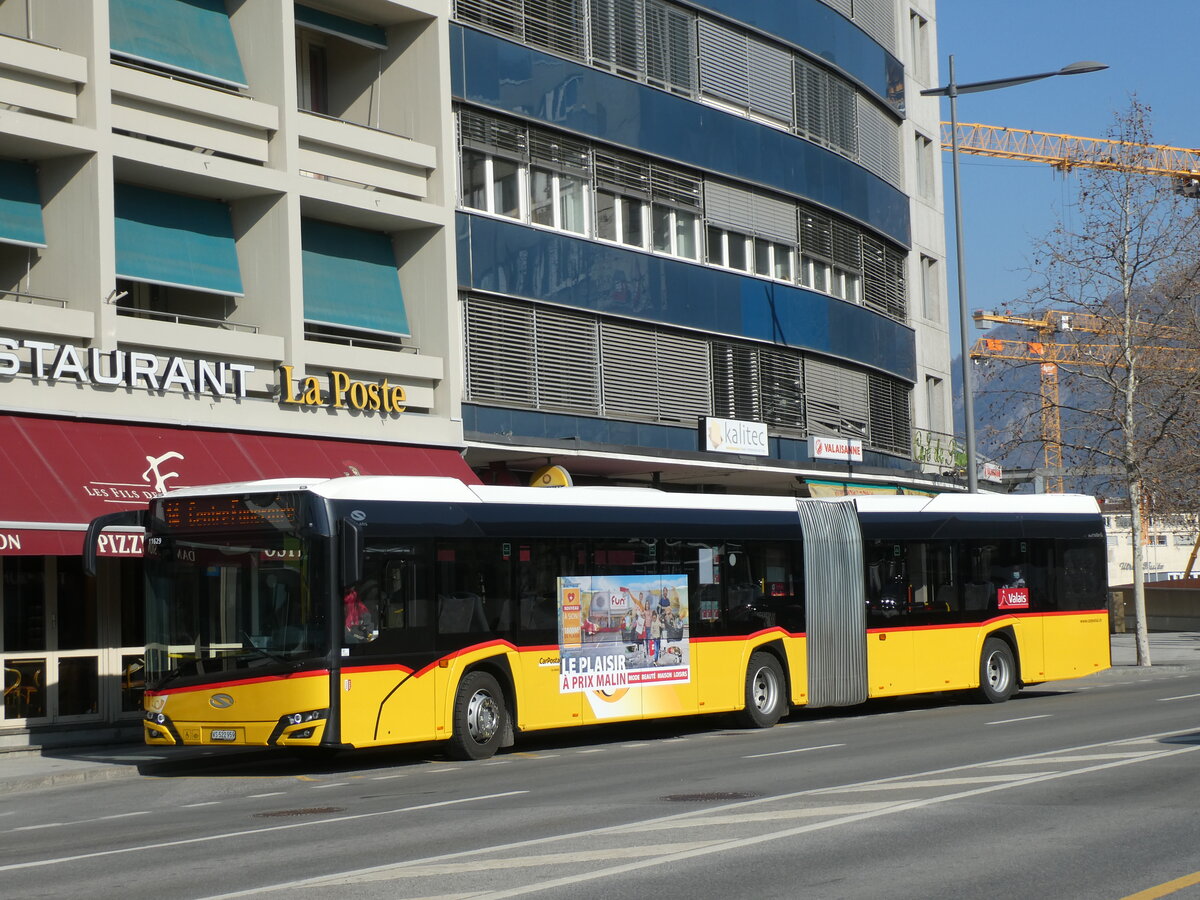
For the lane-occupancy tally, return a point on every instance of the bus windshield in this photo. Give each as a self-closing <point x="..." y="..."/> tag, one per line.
<point x="222" y="605"/>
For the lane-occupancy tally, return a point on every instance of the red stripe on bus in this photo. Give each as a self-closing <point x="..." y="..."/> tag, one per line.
<point x="228" y="684"/>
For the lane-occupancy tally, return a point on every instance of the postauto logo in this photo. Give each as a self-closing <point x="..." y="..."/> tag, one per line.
<point x="220" y="701"/>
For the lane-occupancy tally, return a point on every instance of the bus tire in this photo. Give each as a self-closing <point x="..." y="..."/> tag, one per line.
<point x="480" y="717"/>
<point x="997" y="671"/>
<point x="764" y="692"/>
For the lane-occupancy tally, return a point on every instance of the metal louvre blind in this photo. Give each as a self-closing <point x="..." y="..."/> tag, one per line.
<point x="812" y="101"/>
<point x="629" y="373"/>
<point x="843" y="117"/>
<point x="879" y="142"/>
<point x="875" y="287"/>
<point x="735" y="381"/>
<point x="557" y="26"/>
<point x="877" y="18"/>
<point x="775" y="219"/>
<point x="684" y="377"/>
<point x="891" y="422"/>
<point x="724" y="71"/>
<point x="728" y="206"/>
<point x="847" y="247"/>
<point x="845" y="7"/>
<point x="491" y="135"/>
<point x="656" y="373"/>
<point x="560" y="153"/>
<point x="674" y="186"/>
<point x="836" y="398"/>
<point x="781" y="374"/>
<point x="503" y="16"/>
<point x="567" y="360"/>
<point x="770" y="81"/>
<point x="628" y="176"/>
<point x="499" y="351"/>
<point x="670" y="47"/>
<point x="816" y="234"/>
<point x="618" y="30"/>
<point x="750" y="212"/>
<point x="896" y="283"/>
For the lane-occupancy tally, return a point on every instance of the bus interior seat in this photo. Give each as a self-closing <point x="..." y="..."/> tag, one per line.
<point x="946" y="598"/>
<point x="977" y="596"/>
<point x="461" y="612"/>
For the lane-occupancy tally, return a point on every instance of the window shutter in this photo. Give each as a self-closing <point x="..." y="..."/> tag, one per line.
<point x="622" y="174"/>
<point x="878" y="19"/>
<point x="891" y="422"/>
<point x="735" y="380"/>
<point x="684" y="379"/>
<point x="775" y="218"/>
<point x="557" y="152"/>
<point x="557" y="26"/>
<point x="879" y="147"/>
<point x="724" y="69"/>
<point x="847" y="247"/>
<point x="568" y="361"/>
<point x="812" y="101"/>
<point x="618" y="36"/>
<point x="730" y="207"/>
<point x="503" y="16"/>
<point x="670" y="47"/>
<point x="492" y="135"/>
<point x="836" y="398"/>
<point x="674" y="186"/>
<point x="843" y="117"/>
<point x="781" y="375"/>
<point x="770" y="81"/>
<point x="499" y="351"/>
<point x="630" y="379"/>
<point x="816" y="234"/>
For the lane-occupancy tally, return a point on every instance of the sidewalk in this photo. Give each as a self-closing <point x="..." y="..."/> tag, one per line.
<point x="30" y="769"/>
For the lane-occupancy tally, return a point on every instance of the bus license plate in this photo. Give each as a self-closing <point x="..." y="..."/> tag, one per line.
<point x="222" y="734"/>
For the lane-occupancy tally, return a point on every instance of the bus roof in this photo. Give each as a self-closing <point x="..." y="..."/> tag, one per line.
<point x="435" y="489"/>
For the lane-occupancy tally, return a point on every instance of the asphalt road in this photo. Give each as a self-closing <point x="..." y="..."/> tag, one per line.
<point x="1074" y="789"/>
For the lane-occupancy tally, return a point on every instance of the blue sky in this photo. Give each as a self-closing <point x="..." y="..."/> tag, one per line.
<point x="1149" y="47"/>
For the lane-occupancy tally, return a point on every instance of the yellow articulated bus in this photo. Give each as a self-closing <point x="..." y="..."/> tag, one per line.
<point x="367" y="611"/>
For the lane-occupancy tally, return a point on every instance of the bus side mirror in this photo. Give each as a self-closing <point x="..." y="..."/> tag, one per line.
<point x="350" y="547"/>
<point x="91" y="540"/>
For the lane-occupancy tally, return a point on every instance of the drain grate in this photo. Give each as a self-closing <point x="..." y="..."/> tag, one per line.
<point x="308" y="811"/>
<point x="708" y="797"/>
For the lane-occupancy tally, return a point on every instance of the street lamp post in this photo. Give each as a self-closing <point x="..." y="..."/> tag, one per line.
<point x="952" y="90"/>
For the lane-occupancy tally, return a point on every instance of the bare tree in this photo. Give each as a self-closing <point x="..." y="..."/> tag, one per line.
<point x="1123" y="265"/>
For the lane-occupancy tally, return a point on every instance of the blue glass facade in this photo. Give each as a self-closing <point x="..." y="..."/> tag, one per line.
<point x="507" y="258"/>
<point x="493" y="72"/>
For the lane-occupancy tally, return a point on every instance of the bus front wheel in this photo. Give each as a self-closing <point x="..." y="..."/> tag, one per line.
<point x="765" y="702"/>
<point x="997" y="671"/>
<point x="480" y="717"/>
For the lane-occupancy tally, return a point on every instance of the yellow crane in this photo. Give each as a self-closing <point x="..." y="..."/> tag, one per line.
<point x="1065" y="152"/>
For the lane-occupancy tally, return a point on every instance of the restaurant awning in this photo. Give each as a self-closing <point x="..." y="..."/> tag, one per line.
<point x="57" y="475"/>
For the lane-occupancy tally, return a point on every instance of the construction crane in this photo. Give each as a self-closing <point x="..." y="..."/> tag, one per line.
<point x="1049" y="353"/>
<point x="1065" y="152"/>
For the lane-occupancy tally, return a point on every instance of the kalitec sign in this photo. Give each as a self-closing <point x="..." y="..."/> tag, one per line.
<point x="835" y="448"/>
<point x="50" y="362"/>
<point x="734" y="436"/>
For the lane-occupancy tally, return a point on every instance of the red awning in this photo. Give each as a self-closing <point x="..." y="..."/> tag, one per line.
<point x="62" y="473"/>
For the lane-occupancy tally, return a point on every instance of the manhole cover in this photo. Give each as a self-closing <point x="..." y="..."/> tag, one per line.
<point x="708" y="797"/>
<point x="309" y="811"/>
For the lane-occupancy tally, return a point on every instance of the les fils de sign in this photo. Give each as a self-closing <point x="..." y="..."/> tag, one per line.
<point x="342" y="392"/>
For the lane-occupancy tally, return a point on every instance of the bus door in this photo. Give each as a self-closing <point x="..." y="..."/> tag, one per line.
<point x="834" y="603"/>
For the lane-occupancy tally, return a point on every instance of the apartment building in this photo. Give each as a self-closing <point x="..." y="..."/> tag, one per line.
<point x="697" y="245"/>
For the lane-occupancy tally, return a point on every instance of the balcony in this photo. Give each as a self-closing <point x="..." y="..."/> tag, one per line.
<point x="182" y="113"/>
<point x="39" y="79"/>
<point x="365" y="157"/>
<point x="45" y="315"/>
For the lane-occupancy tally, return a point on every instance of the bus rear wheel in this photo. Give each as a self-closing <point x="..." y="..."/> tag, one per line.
<point x="997" y="672"/>
<point x="480" y="717"/>
<point x="765" y="702"/>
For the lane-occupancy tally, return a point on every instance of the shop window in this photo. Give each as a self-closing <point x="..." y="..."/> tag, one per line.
<point x="24" y="604"/>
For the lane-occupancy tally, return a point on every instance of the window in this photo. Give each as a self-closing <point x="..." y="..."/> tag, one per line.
<point x="622" y="199"/>
<point x="935" y="398"/>
<point x="312" y="72"/>
<point x="919" y="46"/>
<point x="929" y="289"/>
<point x="924" y="167"/>
<point x="729" y="249"/>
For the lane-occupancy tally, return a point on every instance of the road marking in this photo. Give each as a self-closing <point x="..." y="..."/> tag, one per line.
<point x="321" y="787"/>
<point x="796" y="750"/>
<point x="1182" y="697"/>
<point x="503" y="852"/>
<point x="935" y="782"/>
<point x="1166" y="888"/>
<point x="592" y="750"/>
<point x="144" y="812"/>
<point x="268" y="794"/>
<point x="250" y="832"/>
<point x="205" y="803"/>
<point x="1083" y="757"/>
<point x="1022" y="719"/>
<point x="389" y="777"/>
